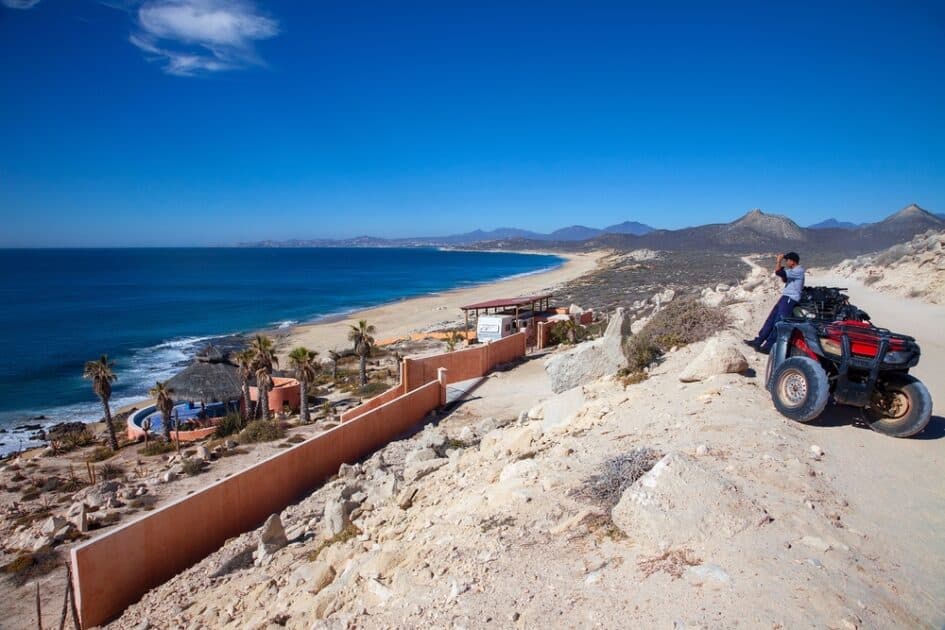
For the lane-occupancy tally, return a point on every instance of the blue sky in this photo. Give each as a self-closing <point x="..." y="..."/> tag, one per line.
<point x="160" y="122"/>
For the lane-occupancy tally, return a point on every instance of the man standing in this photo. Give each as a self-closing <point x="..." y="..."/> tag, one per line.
<point x="787" y="268"/>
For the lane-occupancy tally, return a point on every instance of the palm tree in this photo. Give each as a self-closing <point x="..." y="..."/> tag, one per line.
<point x="165" y="403"/>
<point x="303" y="362"/>
<point x="101" y="374"/>
<point x="360" y="336"/>
<point x="264" y="358"/>
<point x="244" y="361"/>
<point x="335" y="357"/>
<point x="263" y="385"/>
<point x="452" y="339"/>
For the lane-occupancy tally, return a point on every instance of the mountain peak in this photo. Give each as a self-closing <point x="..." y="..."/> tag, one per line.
<point x="769" y="225"/>
<point x="912" y="213"/>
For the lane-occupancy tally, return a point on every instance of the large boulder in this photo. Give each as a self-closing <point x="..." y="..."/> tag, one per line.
<point x="680" y="502"/>
<point x="720" y="356"/>
<point x="593" y="359"/>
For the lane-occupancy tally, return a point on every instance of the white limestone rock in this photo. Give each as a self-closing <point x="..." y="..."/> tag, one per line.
<point x="591" y="360"/>
<point x="720" y="356"/>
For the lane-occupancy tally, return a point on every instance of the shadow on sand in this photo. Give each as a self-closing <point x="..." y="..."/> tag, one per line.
<point x="841" y="415"/>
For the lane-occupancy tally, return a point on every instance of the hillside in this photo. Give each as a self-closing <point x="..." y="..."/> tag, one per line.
<point x="915" y="269"/>
<point x="524" y="508"/>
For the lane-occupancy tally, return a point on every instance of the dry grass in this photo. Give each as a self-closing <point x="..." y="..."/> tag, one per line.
<point x="674" y="562"/>
<point x="632" y="378"/>
<point x="619" y="473"/>
<point x="29" y="566"/>
<point x="100" y="454"/>
<point x="350" y="531"/>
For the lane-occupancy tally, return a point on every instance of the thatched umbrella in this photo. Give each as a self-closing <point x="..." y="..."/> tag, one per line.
<point x="209" y="378"/>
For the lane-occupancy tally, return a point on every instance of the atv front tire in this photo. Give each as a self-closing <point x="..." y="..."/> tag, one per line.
<point x="800" y="389"/>
<point x="901" y="406"/>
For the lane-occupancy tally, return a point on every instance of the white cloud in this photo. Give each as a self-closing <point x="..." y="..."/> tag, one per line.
<point x="192" y="37"/>
<point x="19" y="4"/>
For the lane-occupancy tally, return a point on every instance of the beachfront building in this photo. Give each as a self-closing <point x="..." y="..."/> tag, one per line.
<point x="205" y="391"/>
<point x="506" y="316"/>
<point x="285" y="394"/>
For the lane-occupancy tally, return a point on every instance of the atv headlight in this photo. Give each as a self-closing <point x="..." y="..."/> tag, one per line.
<point x="831" y="347"/>
<point x="896" y="357"/>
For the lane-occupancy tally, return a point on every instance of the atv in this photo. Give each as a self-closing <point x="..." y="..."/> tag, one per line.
<point x="828" y="348"/>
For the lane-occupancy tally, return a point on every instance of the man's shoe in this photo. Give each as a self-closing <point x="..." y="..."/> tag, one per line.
<point x="763" y="349"/>
<point x="751" y="342"/>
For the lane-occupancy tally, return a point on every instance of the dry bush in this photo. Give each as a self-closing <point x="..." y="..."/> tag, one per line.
<point x="618" y="474"/>
<point x="673" y="562"/>
<point x="872" y="279"/>
<point x="110" y="471"/>
<point x="682" y="322"/>
<point x="29" y="566"/>
<point x="191" y="467"/>
<point x="632" y="378"/>
<point x="100" y="454"/>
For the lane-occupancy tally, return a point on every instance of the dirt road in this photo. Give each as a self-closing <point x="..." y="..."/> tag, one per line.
<point x="895" y="485"/>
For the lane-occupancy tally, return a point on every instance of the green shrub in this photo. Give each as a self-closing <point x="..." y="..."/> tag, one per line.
<point x="229" y="424"/>
<point x="261" y="431"/>
<point x="73" y="440"/>
<point x="156" y="447"/>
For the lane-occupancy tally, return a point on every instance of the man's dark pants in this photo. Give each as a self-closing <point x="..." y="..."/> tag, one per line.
<point x="783" y="308"/>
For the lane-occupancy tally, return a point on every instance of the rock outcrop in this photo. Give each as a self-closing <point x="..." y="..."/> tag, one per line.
<point x="720" y="356"/>
<point x="592" y="359"/>
<point x="680" y="502"/>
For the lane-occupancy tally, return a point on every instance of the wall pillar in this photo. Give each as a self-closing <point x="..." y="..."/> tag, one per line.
<point x="441" y="377"/>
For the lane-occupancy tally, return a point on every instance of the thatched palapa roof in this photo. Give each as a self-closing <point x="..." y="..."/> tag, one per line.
<point x="210" y="377"/>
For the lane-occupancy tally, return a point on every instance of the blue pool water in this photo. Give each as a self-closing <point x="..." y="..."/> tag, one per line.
<point x="151" y="309"/>
<point x="183" y="413"/>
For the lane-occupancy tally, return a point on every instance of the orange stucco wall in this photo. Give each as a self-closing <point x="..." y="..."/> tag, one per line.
<point x="286" y="390"/>
<point x="373" y="403"/>
<point x="463" y="364"/>
<point x="116" y="569"/>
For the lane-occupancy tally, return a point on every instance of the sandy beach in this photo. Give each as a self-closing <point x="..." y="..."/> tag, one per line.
<point x="402" y="318"/>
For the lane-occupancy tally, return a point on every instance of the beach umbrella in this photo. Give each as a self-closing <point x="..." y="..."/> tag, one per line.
<point x="210" y="377"/>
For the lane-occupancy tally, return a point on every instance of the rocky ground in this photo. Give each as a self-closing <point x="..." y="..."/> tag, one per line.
<point x="660" y="503"/>
<point x="914" y="270"/>
<point x="624" y="278"/>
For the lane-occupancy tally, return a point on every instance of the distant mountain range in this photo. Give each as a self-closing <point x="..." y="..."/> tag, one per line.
<point x="847" y="225"/>
<point x="755" y="231"/>
<point x="573" y="233"/>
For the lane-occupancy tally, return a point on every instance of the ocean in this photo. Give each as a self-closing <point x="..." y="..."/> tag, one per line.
<point x="151" y="309"/>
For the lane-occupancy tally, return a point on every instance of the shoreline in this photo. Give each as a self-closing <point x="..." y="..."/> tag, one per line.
<point x="398" y="318"/>
<point x="403" y="317"/>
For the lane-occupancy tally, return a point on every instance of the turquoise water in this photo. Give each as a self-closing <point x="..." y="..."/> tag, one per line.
<point x="151" y="309"/>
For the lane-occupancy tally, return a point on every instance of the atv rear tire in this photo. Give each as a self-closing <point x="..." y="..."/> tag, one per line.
<point x="800" y="389"/>
<point x="901" y="406"/>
